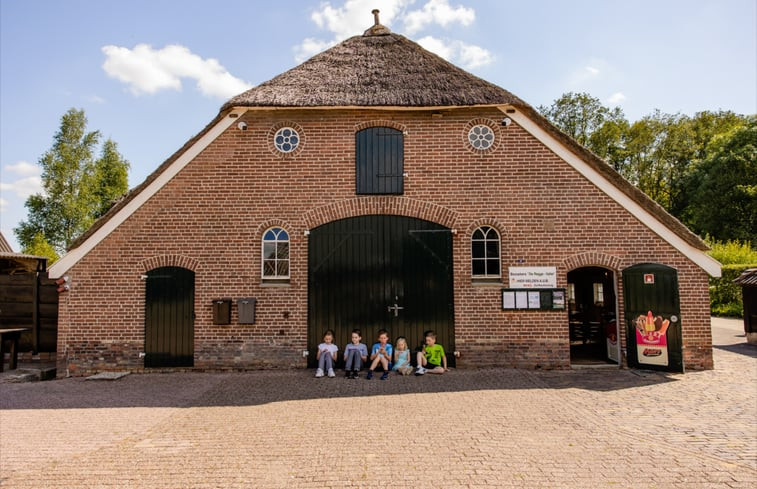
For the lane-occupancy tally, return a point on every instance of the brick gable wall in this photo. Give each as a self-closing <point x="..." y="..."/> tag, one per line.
<point x="210" y="218"/>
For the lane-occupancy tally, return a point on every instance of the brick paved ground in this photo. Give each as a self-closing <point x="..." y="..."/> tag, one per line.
<point x="470" y="428"/>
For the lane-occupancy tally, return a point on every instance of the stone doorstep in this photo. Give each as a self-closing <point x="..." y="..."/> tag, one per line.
<point x="28" y="375"/>
<point x="107" y="376"/>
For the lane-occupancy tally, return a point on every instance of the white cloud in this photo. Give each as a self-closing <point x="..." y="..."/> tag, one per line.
<point x="24" y="169"/>
<point x="30" y="182"/>
<point x="95" y="99"/>
<point x="349" y="20"/>
<point x="616" y="98"/>
<point x="472" y="56"/>
<point x="23" y="187"/>
<point x="468" y="55"/>
<point x="437" y="12"/>
<point x="148" y="70"/>
<point x="3" y="205"/>
<point x="310" y="47"/>
<point x="591" y="71"/>
<point x="437" y="46"/>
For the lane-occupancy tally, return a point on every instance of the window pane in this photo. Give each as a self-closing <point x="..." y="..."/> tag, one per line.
<point x="270" y="235"/>
<point x="479" y="267"/>
<point x="492" y="267"/>
<point x="283" y="268"/>
<point x="269" y="268"/>
<point x="269" y="250"/>
<point x="478" y="233"/>
<point x="492" y="249"/>
<point x="477" y="249"/>
<point x="282" y="251"/>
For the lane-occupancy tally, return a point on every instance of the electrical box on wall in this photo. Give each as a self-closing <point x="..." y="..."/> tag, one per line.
<point x="246" y="309"/>
<point x="221" y="311"/>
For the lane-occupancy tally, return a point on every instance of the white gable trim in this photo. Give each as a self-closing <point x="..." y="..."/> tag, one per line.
<point x="702" y="259"/>
<point x="73" y="256"/>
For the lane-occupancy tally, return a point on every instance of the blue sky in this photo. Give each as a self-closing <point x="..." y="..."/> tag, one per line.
<point x="150" y="74"/>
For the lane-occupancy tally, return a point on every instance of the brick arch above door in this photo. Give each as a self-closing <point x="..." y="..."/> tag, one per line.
<point x="374" y="205"/>
<point x="592" y="259"/>
<point x="381" y="123"/>
<point x="169" y="261"/>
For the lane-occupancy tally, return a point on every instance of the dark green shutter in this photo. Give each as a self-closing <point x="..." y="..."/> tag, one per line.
<point x="379" y="166"/>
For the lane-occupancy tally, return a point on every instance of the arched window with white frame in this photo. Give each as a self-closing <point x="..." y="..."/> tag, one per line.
<point x="485" y="259"/>
<point x="275" y="257"/>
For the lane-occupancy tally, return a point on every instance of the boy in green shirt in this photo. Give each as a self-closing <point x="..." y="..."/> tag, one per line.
<point x="431" y="358"/>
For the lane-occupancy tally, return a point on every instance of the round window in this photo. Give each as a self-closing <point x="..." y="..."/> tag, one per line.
<point x="286" y="139"/>
<point x="481" y="137"/>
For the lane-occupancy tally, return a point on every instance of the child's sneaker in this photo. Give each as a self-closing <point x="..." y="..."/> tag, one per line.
<point x="420" y="370"/>
<point x="385" y="375"/>
<point x="370" y="375"/>
<point x="348" y="374"/>
<point x="319" y="372"/>
<point x="331" y="373"/>
<point x="355" y="374"/>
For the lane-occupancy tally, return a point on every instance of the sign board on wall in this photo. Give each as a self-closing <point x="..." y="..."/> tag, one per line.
<point x="541" y="299"/>
<point x="533" y="277"/>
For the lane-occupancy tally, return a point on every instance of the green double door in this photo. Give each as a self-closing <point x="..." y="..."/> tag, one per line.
<point x="380" y="272"/>
<point x="653" y="317"/>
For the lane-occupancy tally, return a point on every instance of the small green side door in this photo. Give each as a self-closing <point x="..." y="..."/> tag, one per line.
<point x="653" y="317"/>
<point x="169" y="317"/>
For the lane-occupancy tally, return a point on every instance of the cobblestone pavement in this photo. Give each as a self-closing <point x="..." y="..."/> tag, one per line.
<point x="470" y="428"/>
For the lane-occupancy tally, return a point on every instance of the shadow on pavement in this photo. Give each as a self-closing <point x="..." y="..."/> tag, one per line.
<point x="740" y="348"/>
<point x="198" y="389"/>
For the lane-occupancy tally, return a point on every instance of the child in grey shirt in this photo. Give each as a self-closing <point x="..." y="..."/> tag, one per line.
<point x="355" y="354"/>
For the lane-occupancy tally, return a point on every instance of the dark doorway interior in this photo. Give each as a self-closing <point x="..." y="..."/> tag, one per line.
<point x="593" y="326"/>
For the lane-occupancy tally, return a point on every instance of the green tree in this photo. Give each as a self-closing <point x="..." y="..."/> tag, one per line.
<point x="40" y="247"/>
<point x="75" y="185"/>
<point x="112" y="175"/>
<point x="593" y="125"/>
<point x="724" y="202"/>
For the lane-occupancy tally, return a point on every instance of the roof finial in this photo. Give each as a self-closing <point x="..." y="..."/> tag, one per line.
<point x="377" y="29"/>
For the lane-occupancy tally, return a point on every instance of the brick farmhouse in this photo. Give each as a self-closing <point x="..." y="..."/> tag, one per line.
<point x="378" y="186"/>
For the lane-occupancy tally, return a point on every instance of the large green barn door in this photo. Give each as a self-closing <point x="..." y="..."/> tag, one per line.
<point x="169" y="318"/>
<point x="653" y="317"/>
<point x="380" y="272"/>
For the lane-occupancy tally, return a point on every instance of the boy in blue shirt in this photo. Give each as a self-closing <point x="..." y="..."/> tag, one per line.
<point x="381" y="353"/>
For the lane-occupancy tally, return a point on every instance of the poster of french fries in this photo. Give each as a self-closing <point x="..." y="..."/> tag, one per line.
<point x="651" y="339"/>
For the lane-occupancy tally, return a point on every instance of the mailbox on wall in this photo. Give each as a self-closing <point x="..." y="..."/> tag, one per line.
<point x="221" y="311"/>
<point x="246" y="308"/>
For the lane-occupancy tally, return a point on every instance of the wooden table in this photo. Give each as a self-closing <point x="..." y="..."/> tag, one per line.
<point x="10" y="336"/>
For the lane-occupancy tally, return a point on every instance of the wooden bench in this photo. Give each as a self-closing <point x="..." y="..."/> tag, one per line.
<point x="10" y="336"/>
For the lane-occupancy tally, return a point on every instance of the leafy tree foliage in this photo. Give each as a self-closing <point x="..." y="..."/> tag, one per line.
<point x="112" y="175"/>
<point x="662" y="154"/>
<point x="40" y="247"/>
<point x="77" y="188"/>
<point x="724" y="202"/>
<point x="581" y="116"/>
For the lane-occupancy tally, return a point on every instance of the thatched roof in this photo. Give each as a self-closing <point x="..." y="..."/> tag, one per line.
<point x="379" y="70"/>
<point x="375" y="70"/>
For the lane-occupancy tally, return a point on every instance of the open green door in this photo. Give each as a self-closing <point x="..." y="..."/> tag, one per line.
<point x="653" y="317"/>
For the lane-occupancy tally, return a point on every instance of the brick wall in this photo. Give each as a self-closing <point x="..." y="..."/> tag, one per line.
<point x="210" y="218"/>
